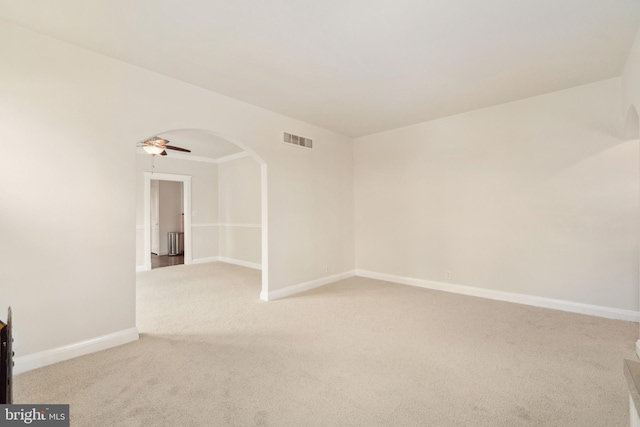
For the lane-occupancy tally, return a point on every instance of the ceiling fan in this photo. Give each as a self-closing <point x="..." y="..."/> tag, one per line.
<point x="157" y="145"/>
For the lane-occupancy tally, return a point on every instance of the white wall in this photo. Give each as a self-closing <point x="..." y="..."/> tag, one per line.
<point x="204" y="203"/>
<point x="70" y="122"/>
<point x="239" y="210"/>
<point x="631" y="100"/>
<point x="630" y="78"/>
<point x="536" y="197"/>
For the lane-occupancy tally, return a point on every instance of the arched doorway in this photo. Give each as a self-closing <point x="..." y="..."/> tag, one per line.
<point x="207" y="147"/>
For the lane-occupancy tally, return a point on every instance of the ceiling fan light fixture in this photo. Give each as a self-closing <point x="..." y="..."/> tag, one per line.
<point x="153" y="149"/>
<point x="157" y="145"/>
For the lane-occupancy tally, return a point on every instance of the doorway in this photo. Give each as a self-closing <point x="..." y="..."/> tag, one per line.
<point x="167" y="223"/>
<point x="208" y="147"/>
<point x="167" y="242"/>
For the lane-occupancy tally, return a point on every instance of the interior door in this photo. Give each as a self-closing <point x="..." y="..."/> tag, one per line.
<point x="155" y="223"/>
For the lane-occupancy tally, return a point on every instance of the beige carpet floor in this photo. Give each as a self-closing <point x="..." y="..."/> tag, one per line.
<point x="358" y="352"/>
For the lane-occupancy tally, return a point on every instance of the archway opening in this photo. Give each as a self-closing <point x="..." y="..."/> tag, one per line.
<point x="211" y="152"/>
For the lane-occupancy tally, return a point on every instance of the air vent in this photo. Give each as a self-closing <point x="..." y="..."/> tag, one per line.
<point x="301" y="141"/>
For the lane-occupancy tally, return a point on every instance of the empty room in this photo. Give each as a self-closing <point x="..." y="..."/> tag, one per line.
<point x="383" y="213"/>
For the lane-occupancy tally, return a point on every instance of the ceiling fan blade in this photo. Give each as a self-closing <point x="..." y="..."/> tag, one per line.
<point x="164" y="153"/>
<point x="171" y="147"/>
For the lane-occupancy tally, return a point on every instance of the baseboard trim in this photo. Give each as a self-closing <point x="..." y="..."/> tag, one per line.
<point x="573" y="307"/>
<point x="204" y="260"/>
<point x="59" y="354"/>
<point x="140" y="268"/>
<point x="240" y="262"/>
<point x="638" y="349"/>
<point x="301" y="287"/>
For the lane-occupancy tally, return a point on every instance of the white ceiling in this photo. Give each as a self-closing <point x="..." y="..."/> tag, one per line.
<point x="354" y="66"/>
<point x="201" y="144"/>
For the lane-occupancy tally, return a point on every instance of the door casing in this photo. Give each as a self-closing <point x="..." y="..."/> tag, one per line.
<point x="186" y="188"/>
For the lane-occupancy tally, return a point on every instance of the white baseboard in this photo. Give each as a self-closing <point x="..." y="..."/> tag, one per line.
<point x="204" y="260"/>
<point x="216" y="259"/>
<point x="634" y="417"/>
<point x="301" y="287"/>
<point x="638" y="348"/>
<point x="59" y="354"/>
<point x="574" y="307"/>
<point x="240" y="262"/>
<point x="140" y="268"/>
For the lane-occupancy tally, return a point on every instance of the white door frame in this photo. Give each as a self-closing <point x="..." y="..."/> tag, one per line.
<point x="264" y="219"/>
<point x="155" y="212"/>
<point x="186" y="183"/>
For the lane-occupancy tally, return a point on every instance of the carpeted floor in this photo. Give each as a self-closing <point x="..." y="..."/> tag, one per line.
<point x="359" y="352"/>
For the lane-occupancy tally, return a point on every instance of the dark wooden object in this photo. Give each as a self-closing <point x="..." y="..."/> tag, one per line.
<point x="6" y="361"/>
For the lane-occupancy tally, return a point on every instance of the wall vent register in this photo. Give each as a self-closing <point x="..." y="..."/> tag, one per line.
<point x="301" y="141"/>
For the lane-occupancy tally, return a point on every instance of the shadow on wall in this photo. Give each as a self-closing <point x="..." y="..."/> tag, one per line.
<point x="631" y="129"/>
